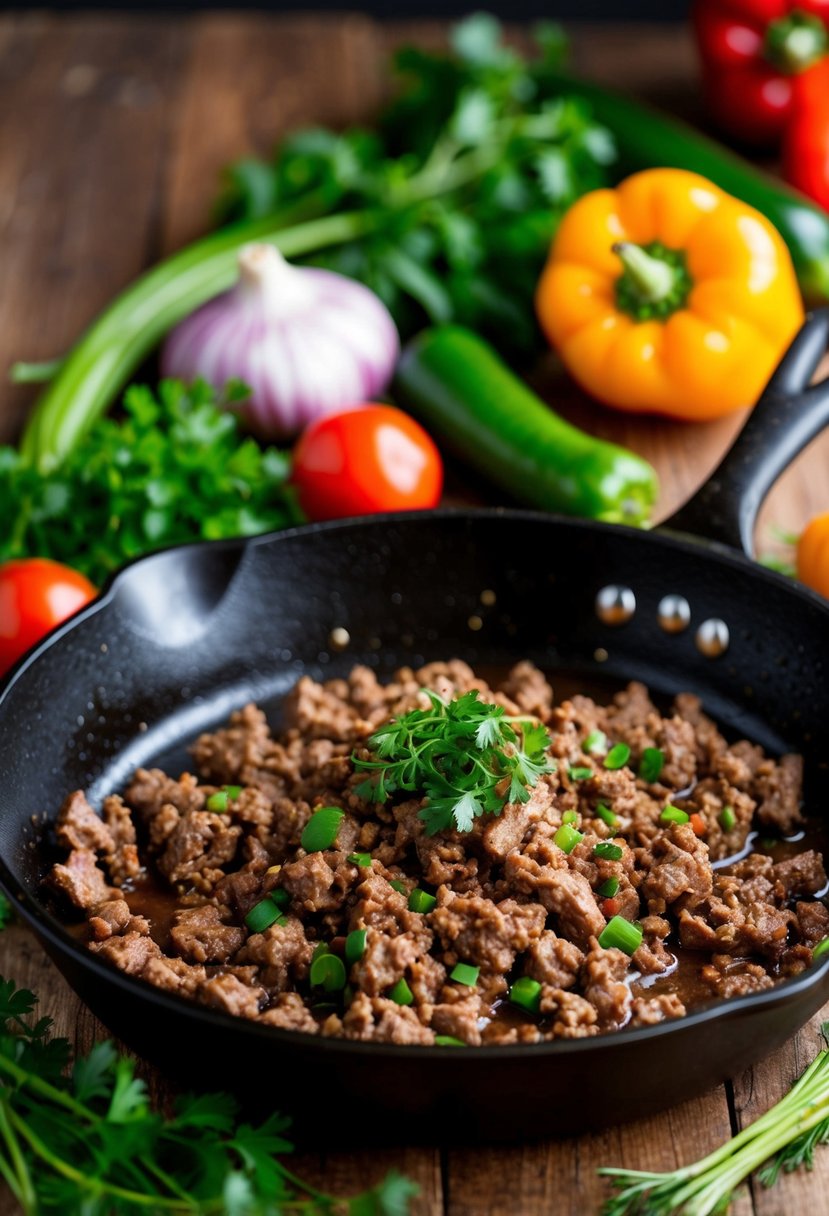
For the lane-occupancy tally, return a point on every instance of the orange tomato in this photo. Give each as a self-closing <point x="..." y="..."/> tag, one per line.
<point x="813" y="555"/>
<point x="36" y="594"/>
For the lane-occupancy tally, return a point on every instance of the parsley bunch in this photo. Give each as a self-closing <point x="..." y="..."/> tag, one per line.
<point x="83" y="1140"/>
<point x="173" y="468"/>
<point x="465" y="180"/>
<point x="466" y="756"/>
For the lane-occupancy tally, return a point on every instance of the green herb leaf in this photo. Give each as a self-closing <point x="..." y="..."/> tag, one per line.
<point x="89" y="1144"/>
<point x="464" y="756"/>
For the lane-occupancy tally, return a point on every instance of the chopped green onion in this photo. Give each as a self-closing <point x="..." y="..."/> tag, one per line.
<point x="727" y="818"/>
<point x="401" y="993"/>
<point x="526" y="992"/>
<point x="359" y="859"/>
<point x="579" y="773"/>
<point x="618" y="756"/>
<point x="672" y="814"/>
<point x="355" y="945"/>
<point x="232" y="791"/>
<point x="622" y="934"/>
<point x="320" y="949"/>
<point x="610" y="852"/>
<point x="348" y="994"/>
<point x="465" y="973"/>
<point x="820" y="949"/>
<point x="605" y="813"/>
<point x="280" y="897"/>
<point x="262" y="915"/>
<point x="320" y="832"/>
<point x="651" y="764"/>
<point x="446" y="1040"/>
<point x="567" y="837"/>
<point x="328" y="972"/>
<point x="217" y="802"/>
<point x="596" y="741"/>
<point x="569" y="817"/>
<point x="608" y="889"/>
<point x="421" y="901"/>
<point x="398" y="886"/>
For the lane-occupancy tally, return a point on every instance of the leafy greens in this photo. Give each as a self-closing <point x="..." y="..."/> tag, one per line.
<point x="174" y="468"/>
<point x="466" y="177"/>
<point x="80" y="1139"/>
<point x="466" y="756"/>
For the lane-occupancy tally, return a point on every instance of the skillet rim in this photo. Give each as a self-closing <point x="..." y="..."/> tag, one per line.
<point x="47" y="926"/>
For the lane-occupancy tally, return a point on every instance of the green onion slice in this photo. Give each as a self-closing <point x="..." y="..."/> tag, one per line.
<point x="280" y="897"/>
<point x="320" y="949"/>
<point x="605" y="813"/>
<point x="608" y="889"/>
<point x="727" y="818"/>
<point x="218" y="802"/>
<point x="359" y="859"/>
<point x="579" y="773"/>
<point x="355" y="945"/>
<point x="526" y="992"/>
<point x="622" y="934"/>
<point x="398" y="886"/>
<point x="595" y="742"/>
<point x="421" y="901"/>
<point x="401" y="993"/>
<point x="567" y="837"/>
<point x="263" y="915"/>
<point x="618" y="756"/>
<point x="651" y="764"/>
<point x="328" y="973"/>
<point x="465" y="973"/>
<point x="672" y="814"/>
<point x="610" y="852"/>
<point x="820" y="949"/>
<point x="232" y="791"/>
<point x="446" y="1040"/>
<point x="569" y="817"/>
<point x="320" y="832"/>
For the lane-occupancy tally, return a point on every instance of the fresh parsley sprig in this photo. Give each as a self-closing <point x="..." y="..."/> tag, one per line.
<point x="173" y="468"/>
<point x="84" y="1141"/>
<point x="465" y="756"/>
<point x="784" y="1138"/>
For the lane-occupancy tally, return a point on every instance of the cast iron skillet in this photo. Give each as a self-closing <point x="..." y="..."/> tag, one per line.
<point x="181" y="638"/>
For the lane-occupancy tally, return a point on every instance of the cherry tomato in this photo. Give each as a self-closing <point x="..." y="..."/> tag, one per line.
<point x="36" y="595"/>
<point x="363" y="460"/>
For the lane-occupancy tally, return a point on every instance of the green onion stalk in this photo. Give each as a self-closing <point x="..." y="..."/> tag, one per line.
<point x="785" y="1137"/>
<point x="126" y="332"/>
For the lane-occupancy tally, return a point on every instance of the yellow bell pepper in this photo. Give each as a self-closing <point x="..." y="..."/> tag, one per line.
<point x="668" y="296"/>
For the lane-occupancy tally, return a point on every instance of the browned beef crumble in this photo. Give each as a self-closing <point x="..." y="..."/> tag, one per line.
<point x="509" y="901"/>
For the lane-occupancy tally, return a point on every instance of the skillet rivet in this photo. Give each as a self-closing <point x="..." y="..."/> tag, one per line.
<point x="673" y="613"/>
<point x="339" y="638"/>
<point x="712" y="638"/>
<point x="615" y="604"/>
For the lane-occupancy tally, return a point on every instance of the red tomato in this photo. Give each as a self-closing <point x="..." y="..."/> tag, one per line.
<point x="35" y="596"/>
<point x="363" y="460"/>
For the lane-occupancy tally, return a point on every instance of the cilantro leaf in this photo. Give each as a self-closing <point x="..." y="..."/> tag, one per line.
<point x="89" y="1143"/>
<point x="466" y="757"/>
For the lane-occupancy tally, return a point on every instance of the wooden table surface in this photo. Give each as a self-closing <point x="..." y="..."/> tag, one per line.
<point x="113" y="131"/>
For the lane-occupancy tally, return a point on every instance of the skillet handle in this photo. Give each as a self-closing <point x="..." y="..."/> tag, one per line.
<point x="789" y="414"/>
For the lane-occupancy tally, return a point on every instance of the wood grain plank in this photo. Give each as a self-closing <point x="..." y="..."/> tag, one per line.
<point x="561" y="1176"/>
<point x="755" y="1092"/>
<point x="85" y="107"/>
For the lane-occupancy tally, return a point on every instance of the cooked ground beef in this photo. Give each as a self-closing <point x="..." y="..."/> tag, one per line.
<point x="167" y="875"/>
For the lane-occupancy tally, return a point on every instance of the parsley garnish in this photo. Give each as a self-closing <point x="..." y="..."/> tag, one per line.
<point x="173" y="468"/>
<point x="84" y="1140"/>
<point x="466" y="756"/>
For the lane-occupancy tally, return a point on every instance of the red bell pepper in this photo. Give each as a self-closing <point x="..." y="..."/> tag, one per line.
<point x="752" y="53"/>
<point x="806" y="139"/>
